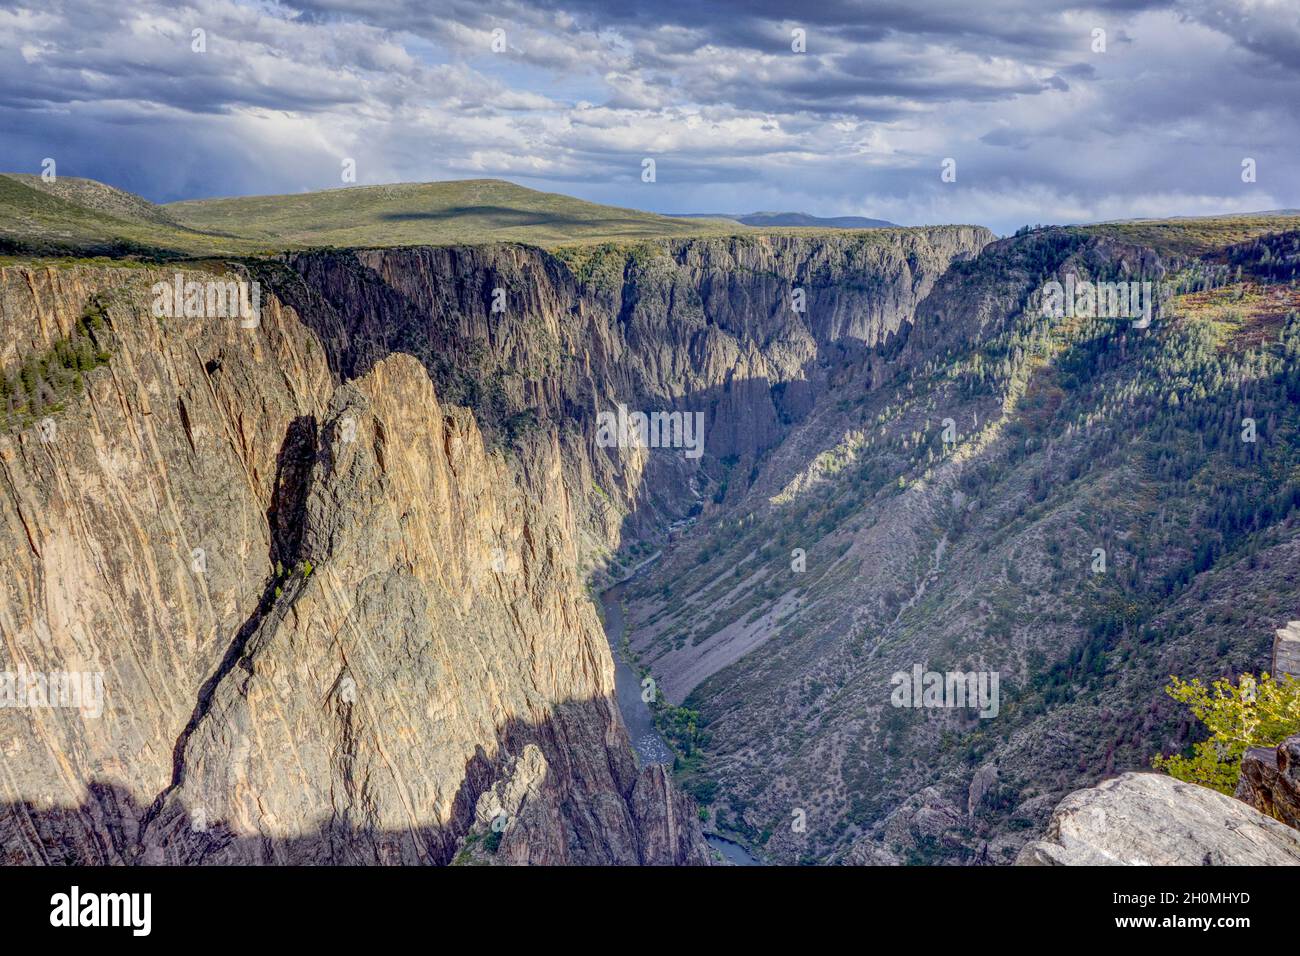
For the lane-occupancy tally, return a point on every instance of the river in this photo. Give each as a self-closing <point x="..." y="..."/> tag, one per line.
<point x="650" y="747"/>
<point x="639" y="719"/>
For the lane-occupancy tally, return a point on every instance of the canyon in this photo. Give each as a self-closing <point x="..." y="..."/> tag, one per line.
<point x="341" y="570"/>
<point x="387" y="645"/>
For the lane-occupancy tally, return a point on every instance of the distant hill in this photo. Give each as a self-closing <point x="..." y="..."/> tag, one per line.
<point x="798" y="219"/>
<point x="97" y="197"/>
<point x="82" y="217"/>
<point x="464" y="211"/>
<point x="85" y="217"/>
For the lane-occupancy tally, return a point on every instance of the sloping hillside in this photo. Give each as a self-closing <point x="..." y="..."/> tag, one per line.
<point x="447" y="213"/>
<point x="870" y="542"/>
<point x="85" y="218"/>
<point x="82" y="217"/>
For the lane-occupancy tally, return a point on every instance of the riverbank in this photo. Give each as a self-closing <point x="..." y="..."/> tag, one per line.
<point x="648" y="743"/>
<point x="637" y="716"/>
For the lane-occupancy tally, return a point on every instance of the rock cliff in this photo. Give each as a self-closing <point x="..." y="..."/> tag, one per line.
<point x="328" y="617"/>
<point x="532" y="340"/>
<point x="137" y="540"/>
<point x="1270" y="780"/>
<point x="332" y="566"/>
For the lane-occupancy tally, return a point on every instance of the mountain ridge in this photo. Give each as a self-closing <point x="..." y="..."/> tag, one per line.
<point x="82" y="217"/>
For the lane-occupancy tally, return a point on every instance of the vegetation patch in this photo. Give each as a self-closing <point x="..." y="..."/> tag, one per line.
<point x="1249" y="713"/>
<point x="45" y="381"/>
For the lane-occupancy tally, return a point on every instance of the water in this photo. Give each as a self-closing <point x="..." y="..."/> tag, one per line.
<point x="733" y="853"/>
<point x="650" y="747"/>
<point x="638" y="718"/>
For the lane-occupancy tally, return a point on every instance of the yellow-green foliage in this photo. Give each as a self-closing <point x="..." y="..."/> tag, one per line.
<point x="1250" y="713"/>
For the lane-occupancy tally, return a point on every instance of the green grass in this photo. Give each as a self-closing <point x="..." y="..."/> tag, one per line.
<point x="1195" y="236"/>
<point x="449" y="213"/>
<point x="82" y="217"/>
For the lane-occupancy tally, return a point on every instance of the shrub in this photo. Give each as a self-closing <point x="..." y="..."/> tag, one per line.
<point x="1250" y="713"/>
<point x="42" y="382"/>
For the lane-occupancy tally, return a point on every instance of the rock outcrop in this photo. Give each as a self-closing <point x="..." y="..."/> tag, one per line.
<point x="1270" y="780"/>
<point x="1286" y="651"/>
<point x="1147" y="819"/>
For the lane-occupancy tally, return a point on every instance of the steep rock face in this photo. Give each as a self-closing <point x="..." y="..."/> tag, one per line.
<point x="136" y="542"/>
<point x="382" y="623"/>
<point x="1146" y="819"/>
<point x="859" y="287"/>
<point x="667" y="819"/>
<point x="413" y="666"/>
<point x="527" y="338"/>
<point x="1270" y="780"/>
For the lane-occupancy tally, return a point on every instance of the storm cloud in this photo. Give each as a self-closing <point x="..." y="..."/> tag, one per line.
<point x="1044" y="125"/>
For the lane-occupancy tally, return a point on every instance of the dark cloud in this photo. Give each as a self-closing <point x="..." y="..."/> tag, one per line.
<point x="1042" y="126"/>
<point x="1016" y="139"/>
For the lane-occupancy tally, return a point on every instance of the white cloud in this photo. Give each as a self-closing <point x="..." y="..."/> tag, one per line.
<point x="1042" y="128"/>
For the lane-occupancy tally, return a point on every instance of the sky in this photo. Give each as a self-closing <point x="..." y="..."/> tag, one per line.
<point x="1049" y="110"/>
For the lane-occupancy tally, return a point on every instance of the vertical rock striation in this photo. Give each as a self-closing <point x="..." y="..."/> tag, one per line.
<point x="336" y="592"/>
<point x="328" y="618"/>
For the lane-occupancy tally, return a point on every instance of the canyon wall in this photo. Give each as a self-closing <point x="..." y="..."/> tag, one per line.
<point x="705" y="325"/>
<point x="1063" y="502"/>
<point x="331" y="567"/>
<point x="332" y="625"/>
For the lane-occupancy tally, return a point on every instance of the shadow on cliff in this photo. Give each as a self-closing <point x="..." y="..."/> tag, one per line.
<point x="501" y="217"/>
<point x="361" y="317"/>
<point x="568" y="819"/>
<point x="285" y="523"/>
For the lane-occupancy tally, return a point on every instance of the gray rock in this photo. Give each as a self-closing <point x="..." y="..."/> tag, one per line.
<point x="984" y="780"/>
<point x="1286" y="651"/>
<point x="1147" y="819"/>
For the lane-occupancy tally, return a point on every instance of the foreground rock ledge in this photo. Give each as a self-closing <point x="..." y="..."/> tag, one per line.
<point x="1270" y="780"/>
<point x="1147" y="819"/>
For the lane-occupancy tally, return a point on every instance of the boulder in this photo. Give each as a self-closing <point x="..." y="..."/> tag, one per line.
<point x="1147" y="819"/>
